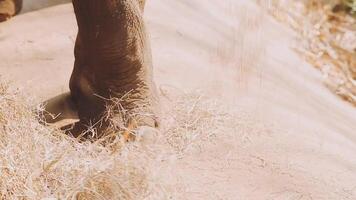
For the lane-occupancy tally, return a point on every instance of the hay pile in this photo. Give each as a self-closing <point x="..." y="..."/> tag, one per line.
<point x="41" y="162"/>
<point x="38" y="161"/>
<point x="327" y="39"/>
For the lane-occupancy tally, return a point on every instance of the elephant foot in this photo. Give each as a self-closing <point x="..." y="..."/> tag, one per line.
<point x="110" y="126"/>
<point x="76" y="130"/>
<point x="9" y="8"/>
<point x="83" y="132"/>
<point x="95" y="124"/>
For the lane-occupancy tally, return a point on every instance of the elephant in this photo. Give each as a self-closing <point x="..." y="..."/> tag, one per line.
<point x="112" y="69"/>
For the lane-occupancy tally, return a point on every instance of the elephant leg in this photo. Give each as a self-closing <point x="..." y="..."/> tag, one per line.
<point x="112" y="61"/>
<point x="9" y="8"/>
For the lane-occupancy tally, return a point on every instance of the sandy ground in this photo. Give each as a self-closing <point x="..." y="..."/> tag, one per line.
<point x="32" y="5"/>
<point x="291" y="139"/>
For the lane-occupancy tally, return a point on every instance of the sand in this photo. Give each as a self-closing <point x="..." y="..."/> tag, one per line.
<point x="288" y="136"/>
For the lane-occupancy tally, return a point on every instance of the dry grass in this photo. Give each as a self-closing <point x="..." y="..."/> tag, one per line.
<point x="38" y="161"/>
<point x="327" y="39"/>
<point x="191" y="119"/>
<point x="351" y="5"/>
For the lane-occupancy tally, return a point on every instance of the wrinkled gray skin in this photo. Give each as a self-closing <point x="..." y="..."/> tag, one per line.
<point x="112" y="60"/>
